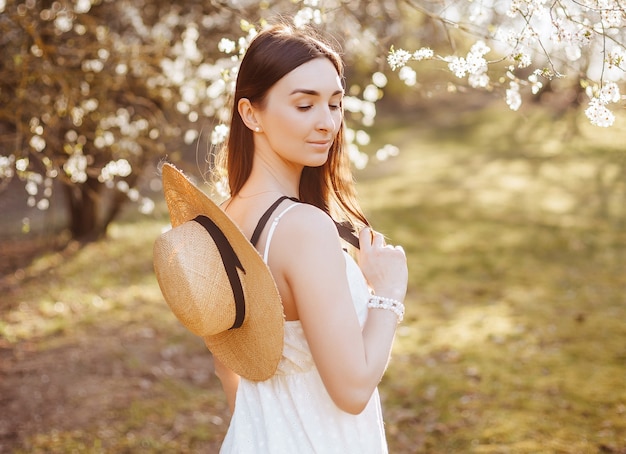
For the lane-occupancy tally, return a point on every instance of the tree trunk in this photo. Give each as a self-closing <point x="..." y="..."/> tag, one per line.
<point x="84" y="214"/>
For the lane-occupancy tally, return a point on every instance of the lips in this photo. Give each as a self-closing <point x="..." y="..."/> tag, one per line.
<point x="320" y="143"/>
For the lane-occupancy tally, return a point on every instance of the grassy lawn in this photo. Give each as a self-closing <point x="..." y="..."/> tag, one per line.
<point x="514" y="340"/>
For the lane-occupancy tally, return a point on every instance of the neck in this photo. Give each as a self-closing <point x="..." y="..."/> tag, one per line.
<point x="272" y="175"/>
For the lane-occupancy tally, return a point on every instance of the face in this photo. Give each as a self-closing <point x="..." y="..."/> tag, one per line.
<point x="302" y="114"/>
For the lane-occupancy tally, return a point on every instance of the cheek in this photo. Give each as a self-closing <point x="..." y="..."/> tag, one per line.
<point x="287" y="120"/>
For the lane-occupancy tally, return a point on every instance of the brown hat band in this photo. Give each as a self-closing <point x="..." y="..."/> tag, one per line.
<point x="231" y="263"/>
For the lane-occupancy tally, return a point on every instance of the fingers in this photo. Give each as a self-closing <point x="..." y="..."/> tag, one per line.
<point x="379" y="240"/>
<point x="369" y="239"/>
<point x="383" y="265"/>
<point x="365" y="238"/>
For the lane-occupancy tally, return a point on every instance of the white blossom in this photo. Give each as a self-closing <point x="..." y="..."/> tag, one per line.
<point x="479" y="48"/>
<point x="121" y="168"/>
<point x="6" y="166"/>
<point x="352" y="104"/>
<point x="357" y="157"/>
<point x="535" y="83"/>
<point x="609" y="93"/>
<point x="379" y="79"/>
<point x="22" y="164"/>
<point x="513" y="97"/>
<point x="422" y="54"/>
<point x="227" y="46"/>
<point x="307" y="15"/>
<point x="408" y="75"/>
<point x="616" y="58"/>
<point x="398" y="58"/>
<point x="386" y="152"/>
<point x="221" y="187"/>
<point x="132" y="193"/>
<point x="219" y="134"/>
<point x="190" y="136"/>
<point x="92" y="65"/>
<point x="598" y="114"/>
<point x="63" y="22"/>
<point x="90" y="104"/>
<point x="122" y="186"/>
<point x="146" y="205"/>
<point x="82" y="6"/>
<point x="479" y="80"/>
<point x="37" y="143"/>
<point x="612" y="16"/>
<point x="43" y="204"/>
<point x="76" y="167"/>
<point x="371" y="93"/>
<point x="362" y="138"/>
<point x="458" y="66"/>
<point x="521" y="59"/>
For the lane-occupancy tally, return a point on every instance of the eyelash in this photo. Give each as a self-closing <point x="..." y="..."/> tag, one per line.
<point x="332" y="107"/>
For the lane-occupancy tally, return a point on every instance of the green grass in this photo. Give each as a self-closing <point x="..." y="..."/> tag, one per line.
<point x="517" y="292"/>
<point x="515" y="329"/>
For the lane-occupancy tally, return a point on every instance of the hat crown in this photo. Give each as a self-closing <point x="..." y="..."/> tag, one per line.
<point x="195" y="285"/>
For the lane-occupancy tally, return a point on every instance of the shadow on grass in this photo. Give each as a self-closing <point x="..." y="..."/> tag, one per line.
<point x="92" y="360"/>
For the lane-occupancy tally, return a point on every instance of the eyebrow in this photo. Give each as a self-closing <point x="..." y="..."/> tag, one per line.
<point x="313" y="92"/>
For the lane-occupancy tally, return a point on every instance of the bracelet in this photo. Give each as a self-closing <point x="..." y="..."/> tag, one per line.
<point x="380" y="302"/>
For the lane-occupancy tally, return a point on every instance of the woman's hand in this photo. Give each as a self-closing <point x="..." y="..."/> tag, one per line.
<point x="384" y="266"/>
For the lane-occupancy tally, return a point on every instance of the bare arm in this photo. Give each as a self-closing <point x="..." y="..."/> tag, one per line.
<point x="230" y="382"/>
<point x="350" y="361"/>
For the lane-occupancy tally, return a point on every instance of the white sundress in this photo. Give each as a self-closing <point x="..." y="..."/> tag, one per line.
<point x="291" y="412"/>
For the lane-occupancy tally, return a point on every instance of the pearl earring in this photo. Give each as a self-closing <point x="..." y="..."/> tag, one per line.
<point x="257" y="129"/>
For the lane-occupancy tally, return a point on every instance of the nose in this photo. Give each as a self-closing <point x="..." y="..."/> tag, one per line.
<point x="326" y="121"/>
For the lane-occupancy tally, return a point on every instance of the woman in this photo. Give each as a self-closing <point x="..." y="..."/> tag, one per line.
<point x="286" y="139"/>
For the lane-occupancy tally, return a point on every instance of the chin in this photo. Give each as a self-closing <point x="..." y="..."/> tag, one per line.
<point x="317" y="161"/>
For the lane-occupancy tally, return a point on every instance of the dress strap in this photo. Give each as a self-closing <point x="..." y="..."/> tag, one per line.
<point x="345" y="230"/>
<point x="261" y="225"/>
<point x="271" y="232"/>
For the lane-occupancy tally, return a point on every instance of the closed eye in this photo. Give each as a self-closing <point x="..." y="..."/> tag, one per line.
<point x="331" y="106"/>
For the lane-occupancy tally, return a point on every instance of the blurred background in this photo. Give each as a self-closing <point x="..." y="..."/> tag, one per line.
<point x="513" y="222"/>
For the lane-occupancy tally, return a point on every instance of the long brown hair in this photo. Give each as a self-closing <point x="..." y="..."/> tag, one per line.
<point x="272" y="54"/>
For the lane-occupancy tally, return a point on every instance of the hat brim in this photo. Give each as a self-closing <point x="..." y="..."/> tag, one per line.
<point x="253" y="350"/>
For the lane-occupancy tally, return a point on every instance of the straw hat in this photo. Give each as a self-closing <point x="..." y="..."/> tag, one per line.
<point x="205" y="269"/>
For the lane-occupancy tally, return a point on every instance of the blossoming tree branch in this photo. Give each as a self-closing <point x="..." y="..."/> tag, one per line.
<point x="530" y="42"/>
<point x="513" y="46"/>
<point x="92" y="92"/>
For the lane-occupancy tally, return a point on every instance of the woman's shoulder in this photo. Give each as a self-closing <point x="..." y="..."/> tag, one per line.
<point x="309" y="220"/>
<point x="306" y="216"/>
